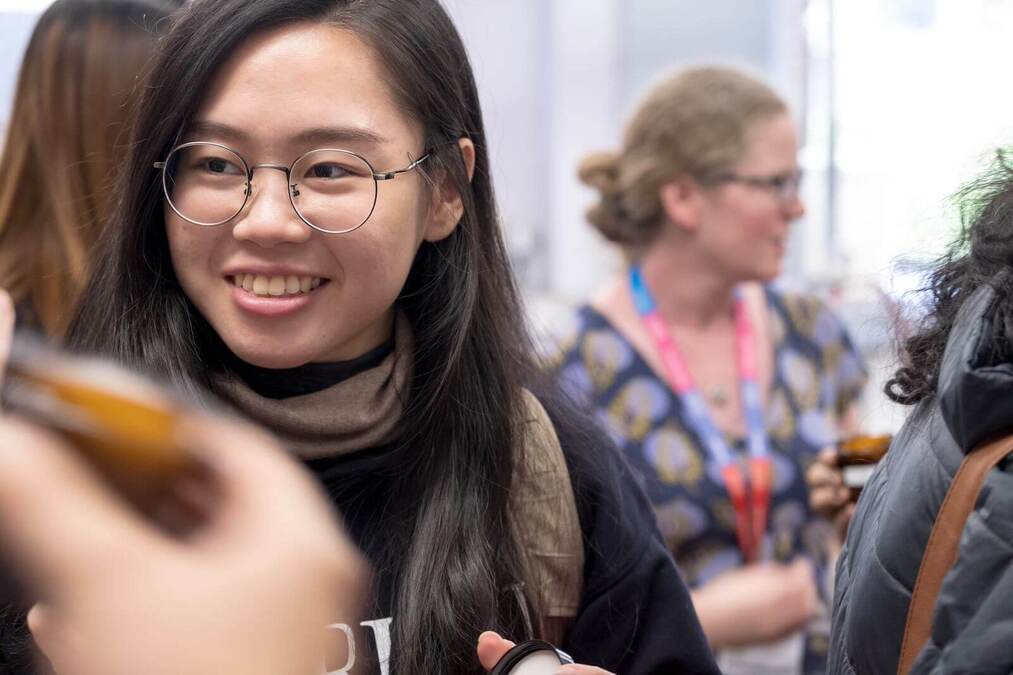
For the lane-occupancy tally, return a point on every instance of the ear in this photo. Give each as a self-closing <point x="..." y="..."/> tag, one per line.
<point x="681" y="198"/>
<point x="448" y="206"/>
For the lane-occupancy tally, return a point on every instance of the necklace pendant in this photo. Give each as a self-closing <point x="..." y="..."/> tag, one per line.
<point x="718" y="396"/>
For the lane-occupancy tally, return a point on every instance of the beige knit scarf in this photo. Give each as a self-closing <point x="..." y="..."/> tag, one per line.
<point x="363" y="412"/>
<point x="360" y="412"/>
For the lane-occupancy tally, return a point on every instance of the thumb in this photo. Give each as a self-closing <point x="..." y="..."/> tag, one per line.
<point x="57" y="518"/>
<point x="492" y="648"/>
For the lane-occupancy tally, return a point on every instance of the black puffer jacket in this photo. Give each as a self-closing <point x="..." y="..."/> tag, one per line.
<point x="973" y="625"/>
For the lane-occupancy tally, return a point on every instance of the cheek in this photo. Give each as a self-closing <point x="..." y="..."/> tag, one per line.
<point x="189" y="248"/>
<point x="375" y="260"/>
<point x="761" y="221"/>
<point x="179" y="246"/>
<point x="371" y="264"/>
<point x="391" y="237"/>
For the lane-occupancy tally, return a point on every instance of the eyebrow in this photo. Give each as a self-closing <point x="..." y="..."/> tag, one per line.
<point x="323" y="135"/>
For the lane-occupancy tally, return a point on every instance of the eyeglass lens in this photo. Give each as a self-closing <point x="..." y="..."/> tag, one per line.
<point x="332" y="190"/>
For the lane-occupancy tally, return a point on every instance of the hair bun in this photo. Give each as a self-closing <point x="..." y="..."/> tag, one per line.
<point x="601" y="172"/>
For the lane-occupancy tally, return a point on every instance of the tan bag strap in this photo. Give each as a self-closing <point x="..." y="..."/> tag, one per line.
<point x="944" y="541"/>
<point x="546" y="524"/>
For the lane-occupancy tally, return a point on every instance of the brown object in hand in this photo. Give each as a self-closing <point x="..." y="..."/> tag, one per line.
<point x="126" y="426"/>
<point x="858" y="456"/>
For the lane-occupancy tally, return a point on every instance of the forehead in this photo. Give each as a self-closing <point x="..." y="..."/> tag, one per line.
<point x="771" y="142"/>
<point x="304" y="76"/>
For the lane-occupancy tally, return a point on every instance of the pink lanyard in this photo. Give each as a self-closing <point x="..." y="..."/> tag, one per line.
<point x="750" y="499"/>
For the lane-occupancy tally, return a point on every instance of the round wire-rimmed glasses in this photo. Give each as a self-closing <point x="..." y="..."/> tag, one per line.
<point x="331" y="190"/>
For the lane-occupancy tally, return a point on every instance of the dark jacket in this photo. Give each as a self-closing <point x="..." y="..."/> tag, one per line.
<point x="972" y="628"/>
<point x="635" y="615"/>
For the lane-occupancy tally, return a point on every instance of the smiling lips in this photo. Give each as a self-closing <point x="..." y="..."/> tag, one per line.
<point x="275" y="286"/>
<point x="273" y="296"/>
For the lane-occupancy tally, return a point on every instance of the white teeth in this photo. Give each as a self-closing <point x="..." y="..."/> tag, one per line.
<point x="276" y="286"/>
<point x="262" y="285"/>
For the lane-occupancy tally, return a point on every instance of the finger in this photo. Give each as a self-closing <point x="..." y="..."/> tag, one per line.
<point x="828" y="501"/>
<point x="492" y="648"/>
<point x="834" y="497"/>
<point x="6" y="330"/>
<point x="822" y="501"/>
<point x="828" y="457"/>
<point x="58" y="520"/>
<point x="819" y="475"/>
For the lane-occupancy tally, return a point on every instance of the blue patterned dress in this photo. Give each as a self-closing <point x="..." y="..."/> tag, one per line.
<point x="817" y="375"/>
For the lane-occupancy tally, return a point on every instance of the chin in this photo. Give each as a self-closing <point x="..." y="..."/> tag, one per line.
<point x="768" y="271"/>
<point x="758" y="275"/>
<point x="266" y="356"/>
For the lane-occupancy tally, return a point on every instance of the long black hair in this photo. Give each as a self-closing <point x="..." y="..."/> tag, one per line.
<point x="472" y="353"/>
<point x="982" y="249"/>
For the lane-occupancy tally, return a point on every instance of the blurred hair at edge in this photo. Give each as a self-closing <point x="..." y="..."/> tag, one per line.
<point x="66" y="136"/>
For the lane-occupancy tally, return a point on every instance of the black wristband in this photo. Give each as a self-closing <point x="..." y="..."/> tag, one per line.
<point x="513" y="661"/>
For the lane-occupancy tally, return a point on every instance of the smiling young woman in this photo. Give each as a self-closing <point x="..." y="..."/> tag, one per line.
<point x="306" y="227"/>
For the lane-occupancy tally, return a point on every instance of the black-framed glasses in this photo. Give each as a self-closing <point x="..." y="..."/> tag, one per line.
<point x="784" y="186"/>
<point x="333" y="191"/>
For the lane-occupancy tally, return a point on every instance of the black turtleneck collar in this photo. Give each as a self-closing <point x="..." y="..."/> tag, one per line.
<point x="278" y="383"/>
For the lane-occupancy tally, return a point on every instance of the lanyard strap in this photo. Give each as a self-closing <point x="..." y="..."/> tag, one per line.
<point x="750" y="496"/>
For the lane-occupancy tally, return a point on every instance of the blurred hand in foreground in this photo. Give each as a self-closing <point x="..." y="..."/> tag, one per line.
<point x="247" y="592"/>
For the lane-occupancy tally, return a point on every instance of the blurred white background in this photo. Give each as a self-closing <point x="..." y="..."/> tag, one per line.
<point x="898" y="102"/>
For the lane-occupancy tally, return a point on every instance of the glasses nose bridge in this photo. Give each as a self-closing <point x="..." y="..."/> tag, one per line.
<point x="287" y="170"/>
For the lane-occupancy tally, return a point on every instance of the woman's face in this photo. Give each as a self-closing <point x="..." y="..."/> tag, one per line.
<point x="282" y="94"/>
<point x="744" y="228"/>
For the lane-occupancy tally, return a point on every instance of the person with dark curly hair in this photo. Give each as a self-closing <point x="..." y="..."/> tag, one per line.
<point x="957" y="371"/>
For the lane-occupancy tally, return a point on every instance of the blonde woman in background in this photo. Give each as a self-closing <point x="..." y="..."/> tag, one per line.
<point x="65" y="138"/>
<point x="719" y="389"/>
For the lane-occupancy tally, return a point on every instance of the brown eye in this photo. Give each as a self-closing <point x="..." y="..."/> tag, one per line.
<point x="220" y="165"/>
<point x="328" y="171"/>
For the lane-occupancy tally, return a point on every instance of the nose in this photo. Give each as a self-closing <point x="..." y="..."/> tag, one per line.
<point x="794" y="208"/>
<point x="269" y="218"/>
